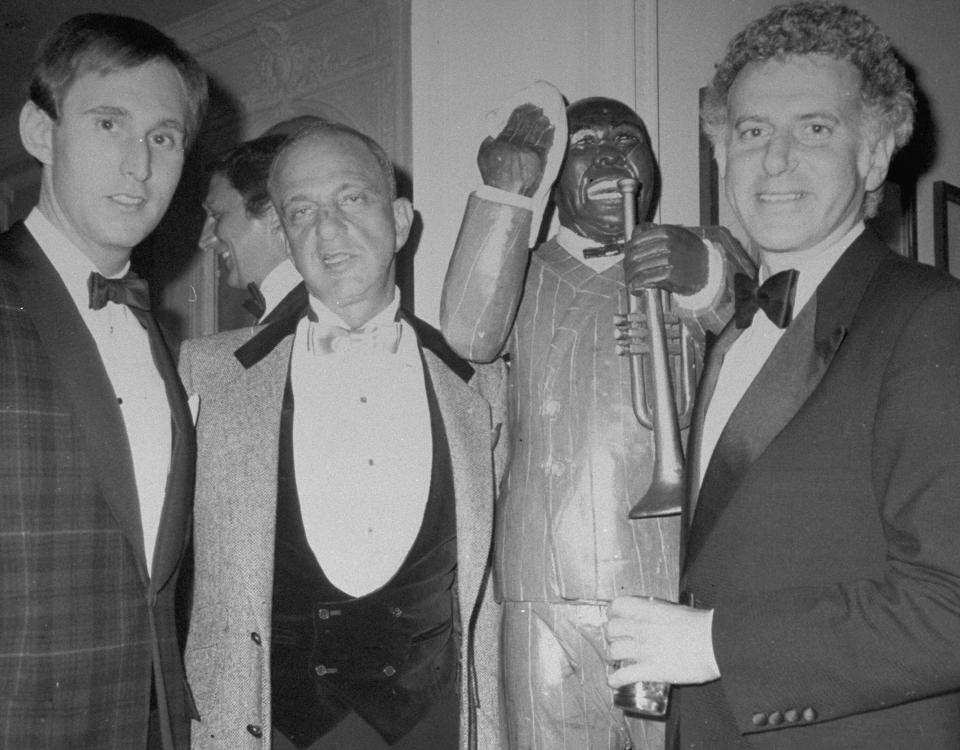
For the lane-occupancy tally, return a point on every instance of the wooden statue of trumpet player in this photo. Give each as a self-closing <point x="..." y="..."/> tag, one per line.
<point x="580" y="459"/>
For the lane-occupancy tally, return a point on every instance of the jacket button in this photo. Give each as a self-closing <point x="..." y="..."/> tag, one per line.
<point x="776" y="719"/>
<point x="322" y="669"/>
<point x="326" y="614"/>
<point x="791" y="715"/>
<point x="255" y="637"/>
<point x="396" y="611"/>
<point x="389" y="671"/>
<point x="759" y="720"/>
<point x="255" y="729"/>
<point x="809" y="714"/>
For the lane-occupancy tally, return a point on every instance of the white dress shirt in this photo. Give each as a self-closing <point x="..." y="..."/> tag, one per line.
<point x="125" y="351"/>
<point x="277" y="283"/>
<point x="363" y="452"/>
<point x="748" y="354"/>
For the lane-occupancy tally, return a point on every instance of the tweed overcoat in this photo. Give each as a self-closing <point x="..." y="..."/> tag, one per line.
<point x="228" y="649"/>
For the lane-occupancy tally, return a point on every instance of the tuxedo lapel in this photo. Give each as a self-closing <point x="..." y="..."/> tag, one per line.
<point x="76" y="360"/>
<point x="174" y="519"/>
<point x="794" y="369"/>
<point x="292" y="303"/>
<point x="462" y="410"/>
<point x="465" y="415"/>
<point x="708" y="382"/>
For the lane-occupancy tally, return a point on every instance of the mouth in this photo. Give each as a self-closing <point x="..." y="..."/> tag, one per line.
<point x="605" y="190"/>
<point x="780" y="198"/>
<point x="127" y="201"/>
<point x="335" y="260"/>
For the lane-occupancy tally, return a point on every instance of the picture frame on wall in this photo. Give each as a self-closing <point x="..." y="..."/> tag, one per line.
<point x="946" y="227"/>
<point x="896" y="218"/>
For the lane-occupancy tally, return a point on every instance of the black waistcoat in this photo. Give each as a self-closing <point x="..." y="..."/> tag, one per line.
<point x="387" y="655"/>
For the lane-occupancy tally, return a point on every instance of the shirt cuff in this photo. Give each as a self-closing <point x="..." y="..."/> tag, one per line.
<point x="496" y="195"/>
<point x="705" y="298"/>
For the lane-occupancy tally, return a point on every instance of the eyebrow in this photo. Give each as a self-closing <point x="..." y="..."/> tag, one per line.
<point x="120" y="112"/>
<point x="819" y="115"/>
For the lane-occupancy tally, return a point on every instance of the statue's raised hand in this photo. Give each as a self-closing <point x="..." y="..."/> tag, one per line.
<point x="515" y="159"/>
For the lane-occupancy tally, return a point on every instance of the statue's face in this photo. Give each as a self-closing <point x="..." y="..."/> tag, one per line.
<point x="608" y="142"/>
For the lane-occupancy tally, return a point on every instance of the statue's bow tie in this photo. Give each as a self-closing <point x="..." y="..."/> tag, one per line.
<point x="603" y="251"/>
<point x="334" y="339"/>
<point x="774" y="296"/>
<point x="129" y="290"/>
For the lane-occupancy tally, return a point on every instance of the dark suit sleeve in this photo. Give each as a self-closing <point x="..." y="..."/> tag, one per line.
<point x="872" y="642"/>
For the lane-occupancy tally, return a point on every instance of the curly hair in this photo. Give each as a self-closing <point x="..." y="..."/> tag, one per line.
<point x="824" y="28"/>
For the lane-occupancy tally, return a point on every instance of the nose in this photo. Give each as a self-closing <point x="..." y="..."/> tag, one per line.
<point x="136" y="159"/>
<point x="328" y="222"/>
<point x="607" y="155"/>
<point x="207" y="237"/>
<point x="779" y="156"/>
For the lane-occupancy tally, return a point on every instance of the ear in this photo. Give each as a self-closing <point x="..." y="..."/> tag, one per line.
<point x="36" y="132"/>
<point x="879" y="163"/>
<point x="276" y="237"/>
<point x="402" y="220"/>
<point x="720" y="155"/>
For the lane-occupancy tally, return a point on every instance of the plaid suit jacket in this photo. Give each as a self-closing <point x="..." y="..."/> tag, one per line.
<point x="84" y="629"/>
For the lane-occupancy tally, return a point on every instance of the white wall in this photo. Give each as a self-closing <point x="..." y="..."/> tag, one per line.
<point x="469" y="55"/>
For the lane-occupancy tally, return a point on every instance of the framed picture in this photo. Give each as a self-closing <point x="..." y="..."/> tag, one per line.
<point x="896" y="219"/>
<point x="946" y="226"/>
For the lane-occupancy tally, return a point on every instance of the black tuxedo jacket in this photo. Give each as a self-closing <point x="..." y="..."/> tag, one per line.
<point x="86" y="626"/>
<point x="826" y="533"/>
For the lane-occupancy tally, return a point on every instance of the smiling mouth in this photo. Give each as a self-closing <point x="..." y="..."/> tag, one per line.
<point x="780" y="197"/>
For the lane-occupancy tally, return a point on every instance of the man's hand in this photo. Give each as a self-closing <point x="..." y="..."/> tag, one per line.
<point x="515" y="160"/>
<point x="657" y="640"/>
<point x="666" y="257"/>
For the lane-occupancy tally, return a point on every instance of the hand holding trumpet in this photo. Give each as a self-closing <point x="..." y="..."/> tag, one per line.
<point x="666" y="257"/>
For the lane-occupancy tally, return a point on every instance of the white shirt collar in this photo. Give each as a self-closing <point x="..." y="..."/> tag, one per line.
<point x="813" y="265"/>
<point x="73" y="266"/>
<point x="326" y="316"/>
<point x="575" y="244"/>
<point x="278" y="283"/>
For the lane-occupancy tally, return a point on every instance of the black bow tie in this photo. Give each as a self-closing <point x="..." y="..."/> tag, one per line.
<point x="774" y="297"/>
<point x="130" y="290"/>
<point x="256" y="305"/>
<point x="603" y="251"/>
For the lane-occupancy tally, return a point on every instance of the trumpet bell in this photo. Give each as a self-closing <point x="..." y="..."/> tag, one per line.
<point x="663" y="498"/>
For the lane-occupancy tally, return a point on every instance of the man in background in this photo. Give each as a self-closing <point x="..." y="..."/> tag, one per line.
<point x="822" y="557"/>
<point x="242" y="228"/>
<point x="96" y="440"/>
